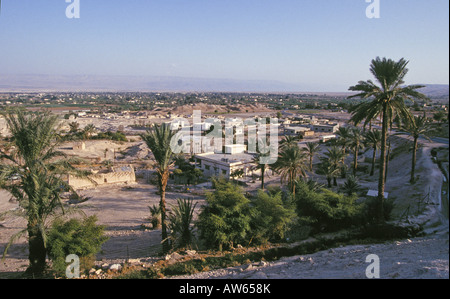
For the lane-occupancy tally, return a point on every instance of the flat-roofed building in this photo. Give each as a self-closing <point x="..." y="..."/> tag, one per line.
<point x="224" y="164"/>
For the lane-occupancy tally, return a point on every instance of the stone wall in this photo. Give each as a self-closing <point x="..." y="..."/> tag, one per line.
<point x="117" y="175"/>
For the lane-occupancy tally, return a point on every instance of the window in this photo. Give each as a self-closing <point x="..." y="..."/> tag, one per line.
<point x="207" y="167"/>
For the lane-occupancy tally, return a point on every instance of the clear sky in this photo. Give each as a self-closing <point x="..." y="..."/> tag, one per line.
<point x="321" y="45"/>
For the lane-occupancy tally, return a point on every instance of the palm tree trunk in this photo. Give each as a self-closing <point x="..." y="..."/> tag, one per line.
<point x="381" y="180"/>
<point x="355" y="162"/>
<point x="413" y="166"/>
<point x="37" y="252"/>
<point x="374" y="157"/>
<point x="263" y="170"/>
<point x="162" y="205"/>
<point x="310" y="163"/>
<point x="388" y="154"/>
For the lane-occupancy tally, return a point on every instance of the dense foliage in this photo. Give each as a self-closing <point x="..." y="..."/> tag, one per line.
<point x="81" y="237"/>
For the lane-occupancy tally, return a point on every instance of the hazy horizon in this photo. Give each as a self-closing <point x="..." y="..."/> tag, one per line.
<point x="284" y="45"/>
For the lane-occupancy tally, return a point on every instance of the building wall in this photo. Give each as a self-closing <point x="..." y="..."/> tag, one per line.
<point x="114" y="177"/>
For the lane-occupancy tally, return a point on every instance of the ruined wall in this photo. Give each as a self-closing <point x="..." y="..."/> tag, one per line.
<point x="118" y="175"/>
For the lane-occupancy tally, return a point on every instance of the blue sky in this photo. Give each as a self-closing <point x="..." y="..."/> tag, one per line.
<point x="321" y="45"/>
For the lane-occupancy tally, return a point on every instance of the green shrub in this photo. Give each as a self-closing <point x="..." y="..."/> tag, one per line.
<point x="81" y="237"/>
<point x="326" y="210"/>
<point x="371" y="209"/>
<point x="271" y="218"/>
<point x="225" y="221"/>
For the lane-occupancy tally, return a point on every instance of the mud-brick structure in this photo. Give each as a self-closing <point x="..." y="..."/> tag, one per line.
<point x="114" y="175"/>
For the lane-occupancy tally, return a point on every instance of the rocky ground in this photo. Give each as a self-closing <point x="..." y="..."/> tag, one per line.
<point x="417" y="258"/>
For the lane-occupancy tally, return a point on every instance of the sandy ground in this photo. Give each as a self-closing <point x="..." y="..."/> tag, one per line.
<point x="123" y="209"/>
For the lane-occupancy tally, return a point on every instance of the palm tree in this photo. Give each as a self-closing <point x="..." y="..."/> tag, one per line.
<point x="260" y="160"/>
<point x="351" y="186"/>
<point x="373" y="140"/>
<point x="311" y="149"/>
<point x="88" y="131"/>
<point x="327" y="169"/>
<point x="288" y="141"/>
<point x="387" y="100"/>
<point x="40" y="169"/>
<point x="334" y="157"/>
<point x="344" y="140"/>
<point x="344" y="136"/>
<point x="419" y="127"/>
<point x="290" y="165"/>
<point x="356" y="143"/>
<point x="158" y="141"/>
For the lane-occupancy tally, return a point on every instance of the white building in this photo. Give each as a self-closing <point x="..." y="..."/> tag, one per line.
<point x="326" y="128"/>
<point x="224" y="164"/>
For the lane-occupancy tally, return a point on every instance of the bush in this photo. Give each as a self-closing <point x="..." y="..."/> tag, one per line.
<point x="225" y="220"/>
<point x="327" y="210"/>
<point x="371" y="209"/>
<point x="180" y="220"/>
<point x="271" y="218"/>
<point x="81" y="237"/>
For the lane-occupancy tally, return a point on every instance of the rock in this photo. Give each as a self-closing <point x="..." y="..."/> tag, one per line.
<point x="263" y="263"/>
<point x="105" y="266"/>
<point x="134" y="261"/>
<point x="249" y="268"/>
<point x="173" y="256"/>
<point x="191" y="252"/>
<point x="115" y="267"/>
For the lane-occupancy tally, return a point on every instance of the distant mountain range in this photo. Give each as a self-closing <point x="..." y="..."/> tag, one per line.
<point x="436" y="90"/>
<point x="94" y="83"/>
<point x="80" y="83"/>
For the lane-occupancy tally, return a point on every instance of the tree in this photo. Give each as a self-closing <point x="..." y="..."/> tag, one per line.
<point x="386" y="100"/>
<point x="288" y="141"/>
<point x="158" y="141"/>
<point x="373" y="140"/>
<point x="40" y="170"/>
<point x="74" y="126"/>
<point x="262" y="156"/>
<point x="344" y="135"/>
<point x="356" y="143"/>
<point x="271" y="217"/>
<point x="180" y="220"/>
<point x="225" y="220"/>
<point x="88" y="131"/>
<point x="351" y="185"/>
<point x="290" y="165"/>
<point x="418" y="127"/>
<point x="439" y="116"/>
<point x="334" y="158"/>
<point x="311" y="150"/>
